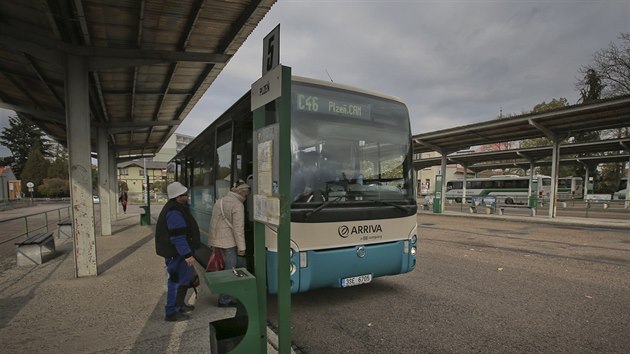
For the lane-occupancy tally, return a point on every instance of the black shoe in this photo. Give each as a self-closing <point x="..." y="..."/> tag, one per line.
<point x="186" y="308"/>
<point x="177" y="317"/>
<point x="229" y="304"/>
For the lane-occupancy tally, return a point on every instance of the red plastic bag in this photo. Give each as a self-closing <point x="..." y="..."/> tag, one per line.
<point x="216" y="261"/>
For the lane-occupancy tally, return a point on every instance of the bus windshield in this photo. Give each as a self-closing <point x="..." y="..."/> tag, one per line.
<point x="349" y="147"/>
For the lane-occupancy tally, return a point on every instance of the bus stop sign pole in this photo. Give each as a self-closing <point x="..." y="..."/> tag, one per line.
<point x="272" y="190"/>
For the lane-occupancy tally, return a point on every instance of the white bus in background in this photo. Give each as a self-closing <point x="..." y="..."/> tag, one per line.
<point x="569" y="188"/>
<point x="622" y="190"/>
<point x="513" y="189"/>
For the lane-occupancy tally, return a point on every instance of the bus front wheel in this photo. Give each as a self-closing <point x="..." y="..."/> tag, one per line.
<point x="509" y="201"/>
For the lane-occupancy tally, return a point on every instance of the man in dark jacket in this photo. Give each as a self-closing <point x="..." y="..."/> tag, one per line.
<point x="176" y="238"/>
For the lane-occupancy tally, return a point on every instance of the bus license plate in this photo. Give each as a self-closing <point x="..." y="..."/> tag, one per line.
<point x="361" y="279"/>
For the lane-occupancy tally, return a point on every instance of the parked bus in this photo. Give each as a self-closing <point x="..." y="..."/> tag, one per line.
<point x="353" y="211"/>
<point x="622" y="189"/>
<point x="512" y="189"/>
<point x="568" y="188"/>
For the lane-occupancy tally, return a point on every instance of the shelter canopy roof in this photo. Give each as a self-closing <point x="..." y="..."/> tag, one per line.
<point x="149" y="61"/>
<point x="561" y="123"/>
<point x="555" y="124"/>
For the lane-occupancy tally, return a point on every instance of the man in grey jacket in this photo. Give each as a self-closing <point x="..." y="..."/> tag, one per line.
<point x="227" y="231"/>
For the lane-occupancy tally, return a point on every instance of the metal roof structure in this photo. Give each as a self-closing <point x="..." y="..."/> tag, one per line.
<point x="150" y="61"/>
<point x="478" y="161"/>
<point x="556" y="125"/>
<point x="602" y="114"/>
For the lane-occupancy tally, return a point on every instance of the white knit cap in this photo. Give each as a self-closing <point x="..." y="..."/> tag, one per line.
<point x="175" y="189"/>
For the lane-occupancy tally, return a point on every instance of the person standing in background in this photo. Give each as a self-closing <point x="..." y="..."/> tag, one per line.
<point x="123" y="201"/>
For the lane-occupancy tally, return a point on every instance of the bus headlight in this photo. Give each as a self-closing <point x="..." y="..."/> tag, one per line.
<point x="413" y="250"/>
<point x="414" y="239"/>
<point x="291" y="251"/>
<point x="293" y="268"/>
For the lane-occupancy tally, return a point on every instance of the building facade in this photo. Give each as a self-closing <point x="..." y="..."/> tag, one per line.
<point x="426" y="176"/>
<point x="173" y="145"/>
<point x="11" y="189"/>
<point x="132" y="173"/>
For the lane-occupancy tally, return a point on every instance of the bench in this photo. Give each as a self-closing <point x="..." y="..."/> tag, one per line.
<point x="603" y="199"/>
<point x="531" y="210"/>
<point x="487" y="208"/>
<point x="34" y="248"/>
<point x="604" y="203"/>
<point x="64" y="230"/>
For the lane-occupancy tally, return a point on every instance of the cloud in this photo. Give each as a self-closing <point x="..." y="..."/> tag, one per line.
<point x="453" y="63"/>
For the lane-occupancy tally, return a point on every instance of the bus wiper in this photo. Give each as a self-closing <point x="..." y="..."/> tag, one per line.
<point x="324" y="204"/>
<point x="389" y="203"/>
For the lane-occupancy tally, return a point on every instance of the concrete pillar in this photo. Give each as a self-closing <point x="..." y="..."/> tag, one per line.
<point x="555" y="166"/>
<point x="443" y="173"/>
<point x="464" y="201"/>
<point x="531" y="178"/>
<point x="103" y="182"/>
<point x="113" y="185"/>
<point x="586" y="177"/>
<point x="79" y="150"/>
<point x="627" y="202"/>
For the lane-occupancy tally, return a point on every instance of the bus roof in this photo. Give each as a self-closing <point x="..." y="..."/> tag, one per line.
<point x="344" y="87"/>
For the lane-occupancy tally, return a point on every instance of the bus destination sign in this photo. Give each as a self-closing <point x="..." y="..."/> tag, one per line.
<point x="325" y="105"/>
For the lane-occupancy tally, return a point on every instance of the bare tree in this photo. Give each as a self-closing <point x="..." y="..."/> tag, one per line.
<point x="612" y="66"/>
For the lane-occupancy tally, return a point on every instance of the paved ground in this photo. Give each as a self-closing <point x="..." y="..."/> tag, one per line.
<point x="46" y="309"/>
<point x="483" y="284"/>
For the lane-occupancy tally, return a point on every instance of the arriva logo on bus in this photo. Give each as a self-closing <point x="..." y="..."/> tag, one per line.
<point x="345" y="231"/>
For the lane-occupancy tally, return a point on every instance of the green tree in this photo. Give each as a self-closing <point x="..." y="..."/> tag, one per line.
<point x="19" y="137"/>
<point x="54" y="187"/>
<point x="590" y="91"/>
<point x="612" y="66"/>
<point x="160" y="186"/>
<point x="59" y="166"/>
<point x="35" y="169"/>
<point x="7" y="161"/>
<point x="544" y="141"/>
<point x="590" y="87"/>
<point x="539" y="108"/>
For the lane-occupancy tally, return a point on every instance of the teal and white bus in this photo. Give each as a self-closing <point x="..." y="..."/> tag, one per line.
<point x="513" y="189"/>
<point x="353" y="211"/>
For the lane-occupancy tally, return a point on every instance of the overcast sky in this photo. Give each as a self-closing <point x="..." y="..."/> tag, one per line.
<point x="452" y="62"/>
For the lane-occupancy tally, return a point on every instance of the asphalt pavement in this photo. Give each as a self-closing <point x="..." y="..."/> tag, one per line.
<point x="45" y="308"/>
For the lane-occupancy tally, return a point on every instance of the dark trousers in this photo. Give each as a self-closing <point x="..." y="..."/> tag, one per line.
<point x="179" y="277"/>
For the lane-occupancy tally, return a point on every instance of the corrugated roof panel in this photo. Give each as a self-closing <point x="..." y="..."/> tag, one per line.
<point x="36" y="34"/>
